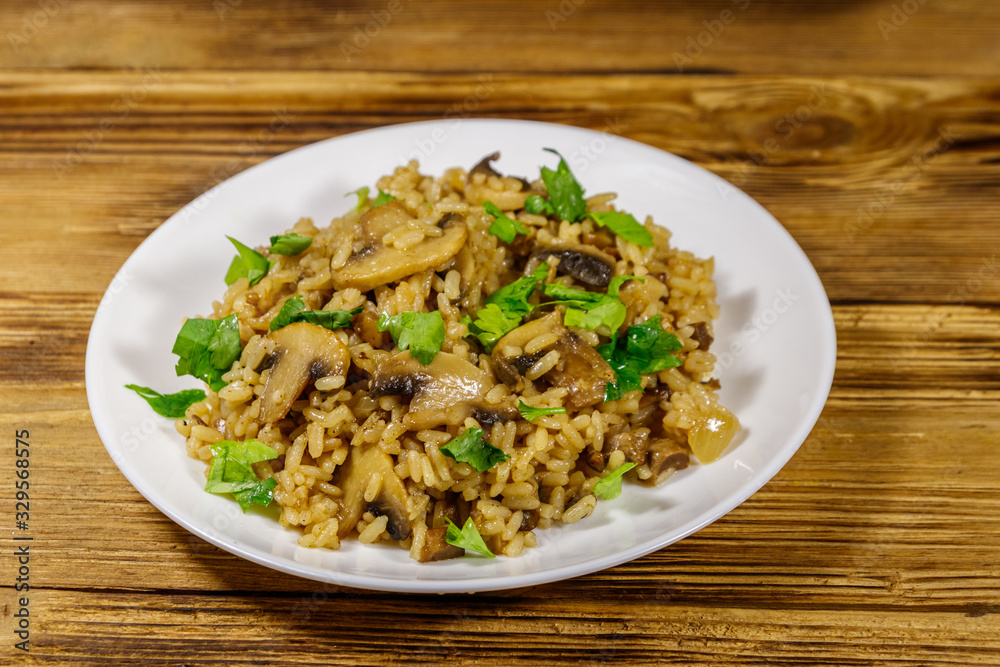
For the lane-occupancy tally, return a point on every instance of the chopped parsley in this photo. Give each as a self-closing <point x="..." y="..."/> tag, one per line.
<point x="294" y="310"/>
<point x="469" y="447"/>
<point x="531" y="413"/>
<point x="421" y="333"/>
<point x="625" y="226"/>
<point x="645" y="348"/>
<point x="504" y="309"/>
<point x="591" y="310"/>
<point x="467" y="537"/>
<point x="248" y="264"/>
<point x="207" y="349"/>
<point x="565" y="193"/>
<point x="231" y="471"/>
<point x="503" y="228"/>
<point x="289" y="244"/>
<point x="610" y="486"/>
<point x="537" y="204"/>
<point x="383" y="198"/>
<point x="362" y="195"/>
<point x="172" y="406"/>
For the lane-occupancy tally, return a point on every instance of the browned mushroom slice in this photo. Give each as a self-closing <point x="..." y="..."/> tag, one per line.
<point x="581" y="370"/>
<point x="586" y="264"/>
<point x="446" y="391"/>
<point x="666" y="455"/>
<point x="302" y="352"/>
<point x="355" y="475"/>
<point x="479" y="190"/>
<point x="376" y="264"/>
<point x="633" y="444"/>
<point x="436" y="547"/>
<point x="701" y="335"/>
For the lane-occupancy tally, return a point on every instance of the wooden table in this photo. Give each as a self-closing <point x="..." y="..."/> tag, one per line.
<point x="871" y="129"/>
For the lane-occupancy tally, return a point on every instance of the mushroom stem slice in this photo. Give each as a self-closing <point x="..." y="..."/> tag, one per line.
<point x="302" y="352"/>
<point x="364" y="464"/>
<point x="375" y="264"/>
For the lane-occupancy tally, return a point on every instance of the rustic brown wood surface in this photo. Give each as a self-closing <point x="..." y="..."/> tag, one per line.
<point x="870" y="129"/>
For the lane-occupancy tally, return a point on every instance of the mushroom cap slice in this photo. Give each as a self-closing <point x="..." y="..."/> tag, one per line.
<point x="581" y="369"/>
<point x="585" y="263"/>
<point x="302" y="352"/>
<point x="507" y="200"/>
<point x="363" y="464"/>
<point x="376" y="264"/>
<point x="446" y="391"/>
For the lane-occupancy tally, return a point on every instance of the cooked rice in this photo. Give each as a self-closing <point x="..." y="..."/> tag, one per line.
<point x="550" y="475"/>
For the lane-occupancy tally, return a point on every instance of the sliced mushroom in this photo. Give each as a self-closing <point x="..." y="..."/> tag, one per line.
<point x="436" y="547"/>
<point x="701" y="335"/>
<point x="479" y="190"/>
<point x="354" y="476"/>
<point x="581" y="369"/>
<point x="446" y="391"/>
<point x="665" y="455"/>
<point x="376" y="264"/>
<point x="302" y="352"/>
<point x="633" y="444"/>
<point x="585" y="263"/>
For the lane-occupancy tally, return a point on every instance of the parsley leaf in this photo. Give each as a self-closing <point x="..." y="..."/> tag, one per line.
<point x="207" y="349"/>
<point x="289" y="244"/>
<point x="531" y="413"/>
<point x="383" y="198"/>
<point x="537" y="204"/>
<point x="247" y="264"/>
<point x="591" y="310"/>
<point x="503" y="228"/>
<point x="565" y="193"/>
<point x="421" y="333"/>
<point x="231" y="472"/>
<point x="469" y="447"/>
<point x="172" y="406"/>
<point x="294" y="310"/>
<point x="362" y="195"/>
<point x="504" y="309"/>
<point x="625" y="226"/>
<point x="645" y="348"/>
<point x="467" y="537"/>
<point x="611" y="485"/>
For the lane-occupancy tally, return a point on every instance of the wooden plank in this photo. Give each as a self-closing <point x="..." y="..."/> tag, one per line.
<point x="824" y="37"/>
<point x="890" y="185"/>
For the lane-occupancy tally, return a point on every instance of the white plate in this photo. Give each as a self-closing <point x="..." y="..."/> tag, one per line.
<point x="775" y="340"/>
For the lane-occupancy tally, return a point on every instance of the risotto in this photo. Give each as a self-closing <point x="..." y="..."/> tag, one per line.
<point x="456" y="363"/>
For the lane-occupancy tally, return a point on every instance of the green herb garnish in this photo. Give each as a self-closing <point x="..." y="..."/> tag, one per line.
<point x="289" y="244"/>
<point x="591" y="310"/>
<point x="383" y="198"/>
<point x="625" y="226"/>
<point x="537" y="204"/>
<point x="207" y="349"/>
<point x="504" y="309"/>
<point x="172" y="406"/>
<point x="467" y="537"/>
<point x="503" y="228"/>
<point x="248" y="264"/>
<point x="469" y="447"/>
<point x="294" y="310"/>
<point x="532" y="413"/>
<point x="565" y="193"/>
<point x="611" y="485"/>
<point x="362" y="195"/>
<point x="232" y="472"/>
<point x="421" y="333"/>
<point x="645" y="348"/>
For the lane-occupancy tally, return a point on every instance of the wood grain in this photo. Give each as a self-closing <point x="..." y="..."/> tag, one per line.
<point x="877" y="148"/>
